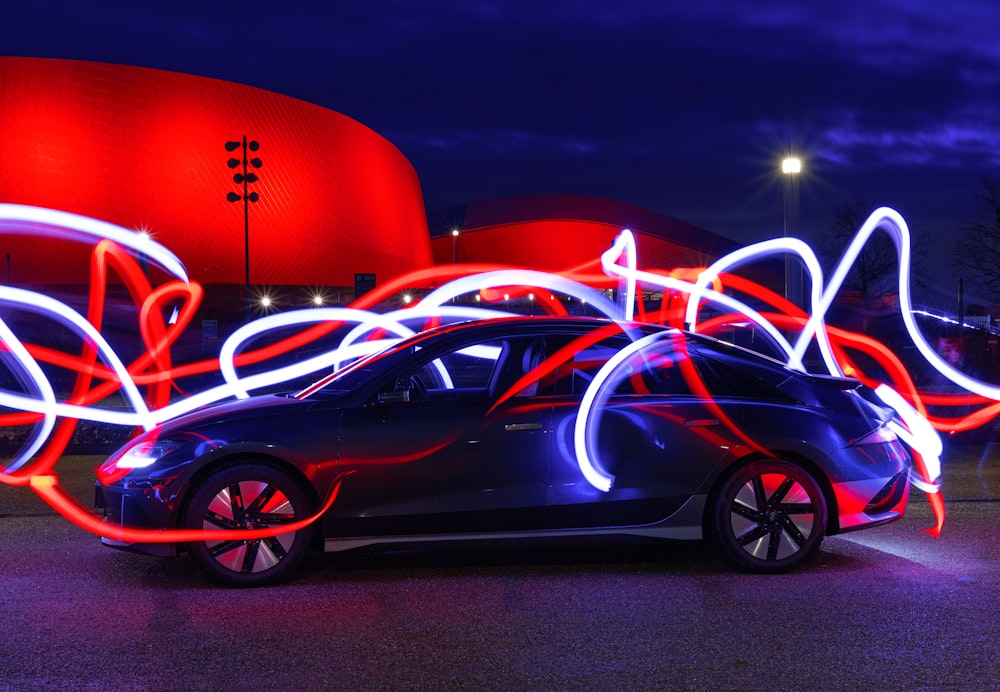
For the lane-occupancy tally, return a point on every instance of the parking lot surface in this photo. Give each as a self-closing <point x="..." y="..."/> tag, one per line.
<point x="889" y="609"/>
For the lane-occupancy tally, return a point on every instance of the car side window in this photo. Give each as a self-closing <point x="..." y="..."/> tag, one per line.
<point x="462" y="374"/>
<point x="577" y="373"/>
<point x="529" y="370"/>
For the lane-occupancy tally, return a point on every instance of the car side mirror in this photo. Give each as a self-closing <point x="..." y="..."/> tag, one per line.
<point x="399" y="396"/>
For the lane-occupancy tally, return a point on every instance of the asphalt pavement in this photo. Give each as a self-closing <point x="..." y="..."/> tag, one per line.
<point x="885" y="609"/>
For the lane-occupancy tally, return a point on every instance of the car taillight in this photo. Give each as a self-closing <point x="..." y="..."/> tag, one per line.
<point x="881" y="435"/>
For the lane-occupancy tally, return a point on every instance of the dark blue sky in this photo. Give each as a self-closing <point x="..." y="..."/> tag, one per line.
<point x="681" y="107"/>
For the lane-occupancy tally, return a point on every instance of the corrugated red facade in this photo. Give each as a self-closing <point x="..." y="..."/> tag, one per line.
<point x="145" y="148"/>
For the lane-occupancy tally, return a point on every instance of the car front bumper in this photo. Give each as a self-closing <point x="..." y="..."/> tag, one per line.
<point x="135" y="507"/>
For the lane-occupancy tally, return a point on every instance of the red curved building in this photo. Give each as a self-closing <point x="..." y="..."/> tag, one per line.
<point x="145" y="149"/>
<point x="556" y="232"/>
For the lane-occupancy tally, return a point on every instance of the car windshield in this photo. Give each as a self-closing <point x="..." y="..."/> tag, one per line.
<point x="354" y="373"/>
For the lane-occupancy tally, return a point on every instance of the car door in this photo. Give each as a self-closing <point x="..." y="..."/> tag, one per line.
<point x="656" y="432"/>
<point x="453" y="443"/>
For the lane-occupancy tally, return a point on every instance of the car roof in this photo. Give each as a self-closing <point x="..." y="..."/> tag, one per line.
<point x="538" y="323"/>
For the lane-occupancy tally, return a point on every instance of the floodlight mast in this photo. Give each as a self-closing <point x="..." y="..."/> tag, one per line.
<point x="244" y="179"/>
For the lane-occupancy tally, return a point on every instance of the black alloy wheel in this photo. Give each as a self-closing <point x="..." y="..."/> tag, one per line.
<point x="248" y="496"/>
<point x="769" y="517"/>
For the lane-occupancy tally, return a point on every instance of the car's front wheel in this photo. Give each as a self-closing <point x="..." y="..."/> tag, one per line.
<point x="241" y="497"/>
<point x="769" y="516"/>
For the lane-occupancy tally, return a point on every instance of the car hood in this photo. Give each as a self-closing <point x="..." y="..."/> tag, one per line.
<point x="240" y="409"/>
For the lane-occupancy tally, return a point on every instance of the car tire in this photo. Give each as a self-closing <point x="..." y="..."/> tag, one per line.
<point x="769" y="517"/>
<point x="248" y="496"/>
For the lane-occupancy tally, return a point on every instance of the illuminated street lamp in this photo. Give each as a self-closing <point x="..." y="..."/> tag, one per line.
<point x="245" y="178"/>
<point x="791" y="167"/>
<point x="454" y="245"/>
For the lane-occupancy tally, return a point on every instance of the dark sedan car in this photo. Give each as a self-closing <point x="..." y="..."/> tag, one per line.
<point x="518" y="428"/>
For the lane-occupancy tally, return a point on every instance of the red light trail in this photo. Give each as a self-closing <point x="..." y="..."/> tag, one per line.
<point x="146" y="384"/>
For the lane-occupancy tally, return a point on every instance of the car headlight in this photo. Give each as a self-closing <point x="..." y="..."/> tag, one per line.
<point x="143" y="453"/>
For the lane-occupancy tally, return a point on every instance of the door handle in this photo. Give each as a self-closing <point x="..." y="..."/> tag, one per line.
<point x="701" y="422"/>
<point x="518" y="427"/>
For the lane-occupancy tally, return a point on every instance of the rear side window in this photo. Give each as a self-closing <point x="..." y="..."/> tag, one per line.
<point x="667" y="368"/>
<point x="729" y="381"/>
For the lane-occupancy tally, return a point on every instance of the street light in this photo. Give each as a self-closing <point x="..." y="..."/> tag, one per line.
<point x="245" y="178"/>
<point x="791" y="167"/>
<point x="454" y="245"/>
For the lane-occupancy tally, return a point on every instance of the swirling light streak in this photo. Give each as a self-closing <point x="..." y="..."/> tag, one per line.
<point x="241" y="386"/>
<point x="40" y="221"/>
<point x="35" y="376"/>
<point x="584" y="430"/>
<point x="32" y="300"/>
<point x="479" y="283"/>
<point x="47" y="487"/>
<point x="625" y="245"/>
<point x="349" y="348"/>
<point x="697" y="291"/>
<point x="918" y="433"/>
<point x="758" y="251"/>
<point x="419" y="312"/>
<point x="822" y="296"/>
<point x="73" y="226"/>
<point x="432" y="307"/>
<point x="926" y="444"/>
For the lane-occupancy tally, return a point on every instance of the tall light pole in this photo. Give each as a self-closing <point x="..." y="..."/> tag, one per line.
<point x="791" y="166"/>
<point x="245" y="178"/>
<point x="454" y="245"/>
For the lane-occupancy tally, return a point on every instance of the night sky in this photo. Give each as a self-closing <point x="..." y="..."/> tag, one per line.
<point x="685" y="108"/>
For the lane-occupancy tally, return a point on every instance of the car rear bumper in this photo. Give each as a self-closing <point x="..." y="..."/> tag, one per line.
<point x="871" y="502"/>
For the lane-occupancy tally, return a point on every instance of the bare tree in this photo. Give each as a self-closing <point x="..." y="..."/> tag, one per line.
<point x="876" y="270"/>
<point x="977" y="254"/>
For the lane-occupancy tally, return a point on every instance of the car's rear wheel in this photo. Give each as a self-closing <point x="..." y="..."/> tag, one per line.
<point x="769" y="516"/>
<point x="241" y="497"/>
